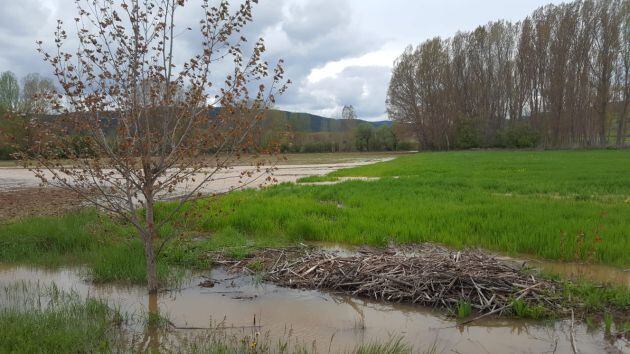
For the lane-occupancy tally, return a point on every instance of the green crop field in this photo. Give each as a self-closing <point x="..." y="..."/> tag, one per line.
<point x="561" y="205"/>
<point x="568" y="205"/>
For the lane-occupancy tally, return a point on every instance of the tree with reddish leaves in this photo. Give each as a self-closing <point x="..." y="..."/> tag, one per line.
<point x="150" y="121"/>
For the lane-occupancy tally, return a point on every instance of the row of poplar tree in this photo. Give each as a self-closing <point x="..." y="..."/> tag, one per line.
<point x="559" y="78"/>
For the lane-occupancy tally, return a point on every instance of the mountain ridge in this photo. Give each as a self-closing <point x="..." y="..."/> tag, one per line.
<point x="308" y="122"/>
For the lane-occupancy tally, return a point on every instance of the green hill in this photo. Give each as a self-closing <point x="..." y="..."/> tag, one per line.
<point x="310" y="123"/>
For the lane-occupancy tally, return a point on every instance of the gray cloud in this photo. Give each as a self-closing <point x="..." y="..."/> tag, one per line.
<point x="360" y="86"/>
<point x="338" y="39"/>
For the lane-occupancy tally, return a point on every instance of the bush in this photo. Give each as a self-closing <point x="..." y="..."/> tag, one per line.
<point x="518" y="135"/>
<point x="406" y="146"/>
<point x="468" y="135"/>
<point x="5" y="152"/>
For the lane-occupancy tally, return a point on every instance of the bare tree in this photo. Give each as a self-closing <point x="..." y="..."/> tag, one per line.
<point x="35" y="89"/>
<point x="623" y="75"/>
<point x="403" y="101"/>
<point x="153" y="122"/>
<point x="348" y="112"/>
<point x="9" y="91"/>
<point x="557" y="74"/>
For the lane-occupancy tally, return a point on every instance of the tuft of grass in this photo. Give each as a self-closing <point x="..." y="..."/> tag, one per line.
<point x="393" y="346"/>
<point x="523" y="310"/>
<point x="124" y="262"/>
<point x="596" y="298"/>
<point x="315" y="179"/>
<point x="608" y="322"/>
<point x="464" y="309"/>
<point x="66" y="323"/>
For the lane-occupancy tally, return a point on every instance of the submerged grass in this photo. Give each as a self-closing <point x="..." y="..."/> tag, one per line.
<point x="36" y="320"/>
<point x="45" y="319"/>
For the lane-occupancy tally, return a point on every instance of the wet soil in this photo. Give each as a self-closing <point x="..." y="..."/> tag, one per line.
<point x="37" y="201"/>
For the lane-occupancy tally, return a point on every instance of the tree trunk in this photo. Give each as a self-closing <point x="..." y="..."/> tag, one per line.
<point x="149" y="250"/>
<point x="621" y="126"/>
<point x="602" y="126"/>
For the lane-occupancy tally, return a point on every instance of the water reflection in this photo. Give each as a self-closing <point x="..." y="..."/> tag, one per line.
<point x="152" y="334"/>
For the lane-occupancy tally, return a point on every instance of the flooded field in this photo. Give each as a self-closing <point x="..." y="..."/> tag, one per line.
<point x="593" y="272"/>
<point x="15" y="178"/>
<point x="320" y="321"/>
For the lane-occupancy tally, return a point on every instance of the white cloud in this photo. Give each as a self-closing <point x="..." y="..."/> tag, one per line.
<point x="336" y="52"/>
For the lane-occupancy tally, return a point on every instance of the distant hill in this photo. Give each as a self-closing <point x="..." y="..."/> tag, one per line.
<point x="311" y="123"/>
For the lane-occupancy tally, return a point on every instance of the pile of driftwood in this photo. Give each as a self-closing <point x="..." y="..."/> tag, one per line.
<point x="427" y="274"/>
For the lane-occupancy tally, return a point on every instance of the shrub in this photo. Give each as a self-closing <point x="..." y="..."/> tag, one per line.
<point x="468" y="136"/>
<point x="518" y="135"/>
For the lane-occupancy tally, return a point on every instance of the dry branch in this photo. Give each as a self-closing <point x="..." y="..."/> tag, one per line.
<point x="427" y="275"/>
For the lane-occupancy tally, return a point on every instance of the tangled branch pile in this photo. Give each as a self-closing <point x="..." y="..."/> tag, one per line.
<point x="427" y="275"/>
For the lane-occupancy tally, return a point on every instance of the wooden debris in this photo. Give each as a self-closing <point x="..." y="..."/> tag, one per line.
<point x="427" y="274"/>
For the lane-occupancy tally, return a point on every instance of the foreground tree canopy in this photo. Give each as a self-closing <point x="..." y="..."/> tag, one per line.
<point x="150" y="121"/>
<point x="558" y="78"/>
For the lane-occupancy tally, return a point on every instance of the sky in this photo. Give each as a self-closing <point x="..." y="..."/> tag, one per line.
<point x="336" y="52"/>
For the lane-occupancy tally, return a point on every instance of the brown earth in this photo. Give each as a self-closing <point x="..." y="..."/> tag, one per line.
<point x="37" y="201"/>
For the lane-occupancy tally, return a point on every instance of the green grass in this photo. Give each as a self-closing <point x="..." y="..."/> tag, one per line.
<point x="110" y="250"/>
<point x="564" y="205"/>
<point x="314" y="179"/>
<point x="464" y="309"/>
<point x="393" y="346"/>
<point x="48" y="240"/>
<point x="521" y="309"/>
<point x="595" y="298"/>
<point x="37" y="320"/>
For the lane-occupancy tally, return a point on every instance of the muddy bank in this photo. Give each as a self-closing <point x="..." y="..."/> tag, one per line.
<point x="37" y="201"/>
<point x="325" y="322"/>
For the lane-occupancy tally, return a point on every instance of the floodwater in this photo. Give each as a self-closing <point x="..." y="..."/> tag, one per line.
<point x="327" y="322"/>
<point x="594" y="272"/>
<point x="224" y="180"/>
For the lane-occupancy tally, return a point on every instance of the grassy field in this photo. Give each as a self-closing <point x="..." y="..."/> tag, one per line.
<point x="555" y="205"/>
<point x="561" y="205"/>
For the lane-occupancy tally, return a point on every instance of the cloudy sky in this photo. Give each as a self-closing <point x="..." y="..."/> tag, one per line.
<point x="337" y="52"/>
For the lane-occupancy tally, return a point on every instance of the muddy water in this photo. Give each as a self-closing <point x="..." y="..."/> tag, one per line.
<point x="593" y="272"/>
<point x="330" y="322"/>
<point x="224" y="180"/>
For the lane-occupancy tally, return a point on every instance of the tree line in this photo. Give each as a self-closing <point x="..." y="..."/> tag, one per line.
<point x="363" y="137"/>
<point x="19" y="101"/>
<point x="559" y="78"/>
